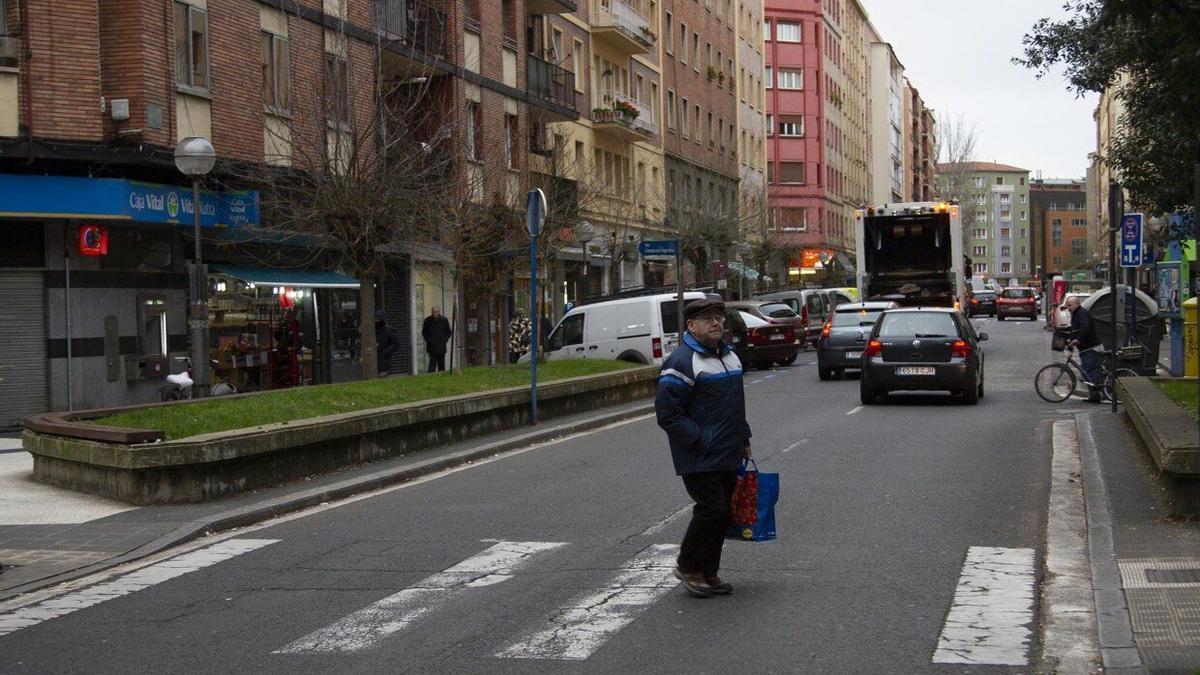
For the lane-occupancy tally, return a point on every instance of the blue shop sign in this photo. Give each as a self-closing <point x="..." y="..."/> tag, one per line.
<point x="120" y="199"/>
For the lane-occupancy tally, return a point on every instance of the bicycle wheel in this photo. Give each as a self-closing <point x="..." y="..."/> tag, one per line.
<point x="1109" y="389"/>
<point x="1054" y="383"/>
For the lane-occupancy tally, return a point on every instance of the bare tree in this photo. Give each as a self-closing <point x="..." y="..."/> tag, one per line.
<point x="955" y="152"/>
<point x="358" y="161"/>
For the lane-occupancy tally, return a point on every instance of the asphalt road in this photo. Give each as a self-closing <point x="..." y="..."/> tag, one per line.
<point x="879" y="507"/>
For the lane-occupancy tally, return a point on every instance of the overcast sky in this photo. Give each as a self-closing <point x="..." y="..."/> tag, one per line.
<point x="958" y="53"/>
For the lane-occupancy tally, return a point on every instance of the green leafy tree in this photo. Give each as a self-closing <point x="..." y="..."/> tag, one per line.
<point x="1157" y="43"/>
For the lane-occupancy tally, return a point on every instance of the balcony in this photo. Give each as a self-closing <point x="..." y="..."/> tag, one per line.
<point x="550" y="83"/>
<point x="550" y="6"/>
<point x="624" y="117"/>
<point x="412" y="25"/>
<point x="622" y="26"/>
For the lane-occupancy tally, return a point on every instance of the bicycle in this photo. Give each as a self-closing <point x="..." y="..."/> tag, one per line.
<point x="1056" y="382"/>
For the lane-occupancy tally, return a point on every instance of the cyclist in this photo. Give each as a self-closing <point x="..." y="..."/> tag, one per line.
<point x="1083" y="336"/>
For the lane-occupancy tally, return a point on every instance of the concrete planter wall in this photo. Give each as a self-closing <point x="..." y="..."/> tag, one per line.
<point x="71" y="453"/>
<point x="1172" y="437"/>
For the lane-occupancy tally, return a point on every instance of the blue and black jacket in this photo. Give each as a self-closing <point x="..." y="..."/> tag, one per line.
<point x="701" y="404"/>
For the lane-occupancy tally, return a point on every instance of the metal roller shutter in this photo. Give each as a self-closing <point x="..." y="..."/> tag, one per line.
<point x="23" y="364"/>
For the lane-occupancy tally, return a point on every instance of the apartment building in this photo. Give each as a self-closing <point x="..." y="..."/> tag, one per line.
<point x="998" y="229"/>
<point x="1109" y="111"/>
<point x="919" y="147"/>
<point x="700" y="146"/>
<point x="887" y="125"/>
<point x="93" y="100"/>
<point x="1059" y="226"/>
<point x="751" y="123"/>
<point x="856" y="134"/>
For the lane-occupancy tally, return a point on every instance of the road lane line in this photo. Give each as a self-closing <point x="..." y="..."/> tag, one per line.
<point x="662" y="524"/>
<point x="793" y="446"/>
<point x="128" y="583"/>
<point x="577" y="630"/>
<point x="369" y="625"/>
<point x="991" y="619"/>
<point x="855" y="410"/>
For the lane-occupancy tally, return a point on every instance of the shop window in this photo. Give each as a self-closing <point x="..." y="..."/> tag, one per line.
<point x="152" y="325"/>
<point x="24" y="246"/>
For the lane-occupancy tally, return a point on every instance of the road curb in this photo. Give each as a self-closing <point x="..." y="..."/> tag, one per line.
<point x="282" y="505"/>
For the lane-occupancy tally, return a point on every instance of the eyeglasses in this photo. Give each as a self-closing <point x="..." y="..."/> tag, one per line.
<point x="710" y="319"/>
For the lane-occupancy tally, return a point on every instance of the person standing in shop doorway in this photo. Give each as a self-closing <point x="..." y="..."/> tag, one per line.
<point x="436" y="331"/>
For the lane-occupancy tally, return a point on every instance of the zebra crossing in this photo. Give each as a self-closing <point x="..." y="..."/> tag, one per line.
<point x="990" y="622"/>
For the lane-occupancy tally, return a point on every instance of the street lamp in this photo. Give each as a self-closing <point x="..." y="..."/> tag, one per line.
<point x="584" y="232"/>
<point x="195" y="157"/>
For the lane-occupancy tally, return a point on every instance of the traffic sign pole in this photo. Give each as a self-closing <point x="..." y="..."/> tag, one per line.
<point x="535" y="216"/>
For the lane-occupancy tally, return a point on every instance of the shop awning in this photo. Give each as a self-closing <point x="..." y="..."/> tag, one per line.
<point x="295" y="278"/>
<point x="747" y="272"/>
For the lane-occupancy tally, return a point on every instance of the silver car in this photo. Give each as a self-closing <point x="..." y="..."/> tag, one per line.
<point x="845" y="336"/>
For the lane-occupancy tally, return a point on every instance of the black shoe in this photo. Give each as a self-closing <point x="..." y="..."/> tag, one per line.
<point x="719" y="587"/>
<point x="694" y="583"/>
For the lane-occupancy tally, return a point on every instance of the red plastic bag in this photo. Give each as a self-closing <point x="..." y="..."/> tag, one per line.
<point x="744" y="503"/>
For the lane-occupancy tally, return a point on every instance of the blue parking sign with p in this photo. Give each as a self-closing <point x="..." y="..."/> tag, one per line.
<point x="1130" y="246"/>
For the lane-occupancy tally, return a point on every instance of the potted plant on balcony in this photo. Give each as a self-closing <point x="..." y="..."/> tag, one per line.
<point x="712" y="72"/>
<point x="720" y="78"/>
<point x="627" y="110"/>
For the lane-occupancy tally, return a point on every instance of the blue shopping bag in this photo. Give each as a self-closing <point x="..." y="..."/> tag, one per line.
<point x="763" y="529"/>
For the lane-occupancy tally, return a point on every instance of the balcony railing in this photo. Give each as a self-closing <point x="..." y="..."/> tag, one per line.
<point x="10" y="50"/>
<point x="617" y="106"/>
<point x="413" y="23"/>
<point x="550" y="82"/>
<point x="625" y="19"/>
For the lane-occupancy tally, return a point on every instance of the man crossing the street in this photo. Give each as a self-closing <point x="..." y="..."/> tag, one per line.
<point x="701" y="405"/>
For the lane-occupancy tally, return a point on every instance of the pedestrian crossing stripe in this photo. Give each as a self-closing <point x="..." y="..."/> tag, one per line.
<point x="370" y="625"/>
<point x="125" y="584"/>
<point x="576" y="631"/>
<point x="991" y="619"/>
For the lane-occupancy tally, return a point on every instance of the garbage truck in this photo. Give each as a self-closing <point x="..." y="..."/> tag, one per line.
<point x="911" y="253"/>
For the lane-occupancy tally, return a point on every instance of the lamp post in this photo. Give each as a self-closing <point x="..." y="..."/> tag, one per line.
<point x="584" y="232"/>
<point x="195" y="157"/>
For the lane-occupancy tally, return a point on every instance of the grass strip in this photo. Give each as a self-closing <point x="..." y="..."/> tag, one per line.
<point x="285" y="405"/>
<point x="1185" y="393"/>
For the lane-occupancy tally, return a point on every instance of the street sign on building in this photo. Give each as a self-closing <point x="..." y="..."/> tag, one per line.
<point x="1131" y="245"/>
<point x="665" y="249"/>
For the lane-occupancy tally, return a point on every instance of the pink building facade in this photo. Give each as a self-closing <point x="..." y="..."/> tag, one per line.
<point x="794" y="32"/>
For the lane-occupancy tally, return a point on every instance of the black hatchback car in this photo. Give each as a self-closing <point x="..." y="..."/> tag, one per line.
<point x="845" y="336"/>
<point x="981" y="302"/>
<point x="923" y="349"/>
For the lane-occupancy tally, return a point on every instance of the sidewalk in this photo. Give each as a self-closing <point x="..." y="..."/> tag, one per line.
<point x="1156" y="553"/>
<point x="49" y="535"/>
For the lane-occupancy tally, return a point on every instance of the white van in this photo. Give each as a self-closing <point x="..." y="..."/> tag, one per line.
<point x="639" y="330"/>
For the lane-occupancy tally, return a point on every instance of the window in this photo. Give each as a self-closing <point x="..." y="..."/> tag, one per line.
<point x="670" y="109"/>
<point x="770" y="81"/>
<point x="977" y="181"/>
<point x="1078" y="247"/>
<point x="670" y="34"/>
<point x="683" y="118"/>
<point x="1024" y="267"/>
<point x="1006" y="268"/>
<point x="999" y="180"/>
<point x="1022" y="179"/>
<point x="791" y="125"/>
<point x="683" y="34"/>
<point x="1056" y="231"/>
<point x="766" y="25"/>
<point x="791" y="172"/>
<point x="152" y="320"/>
<point x="981" y="268"/>
<point x="979" y="250"/>
<point x="569" y="332"/>
<point x="577" y="62"/>
<point x="791" y="79"/>
<point x="276" y="67"/>
<point x="474" y="132"/>
<point x="1005" y="233"/>
<point x="1006" y="215"/>
<point x="191" y="47"/>
<point x="787" y="31"/>
<point x="1006" y="250"/>
<point x="696" y="52"/>
<point x="696" y="127"/>
<point x="770" y="128"/>
<point x="337" y="77"/>
<point x="1006" y="198"/>
<point x="981" y="233"/>
<point x="793" y="219"/>
<point x="511" y="132"/>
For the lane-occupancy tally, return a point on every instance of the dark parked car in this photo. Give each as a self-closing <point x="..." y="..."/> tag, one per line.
<point x="759" y="343"/>
<point x="771" y="311"/>
<point x="1017" y="302"/>
<point x="845" y="337"/>
<point x="924" y="349"/>
<point x="981" y="302"/>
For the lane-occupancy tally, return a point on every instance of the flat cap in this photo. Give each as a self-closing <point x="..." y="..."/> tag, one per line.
<point x="696" y="307"/>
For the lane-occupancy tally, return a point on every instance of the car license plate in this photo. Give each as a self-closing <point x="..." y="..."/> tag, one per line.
<point x="915" y="370"/>
<point x="779" y="336"/>
<point x="850" y="356"/>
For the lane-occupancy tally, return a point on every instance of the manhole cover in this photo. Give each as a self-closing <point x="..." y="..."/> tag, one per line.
<point x="1191" y="576"/>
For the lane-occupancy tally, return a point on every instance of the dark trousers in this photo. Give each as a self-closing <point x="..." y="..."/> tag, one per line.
<point x="1089" y="362"/>
<point x="701" y="548"/>
<point x="437" y="362"/>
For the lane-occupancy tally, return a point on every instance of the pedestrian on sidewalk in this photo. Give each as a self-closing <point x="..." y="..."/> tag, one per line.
<point x="1083" y="334"/>
<point x="387" y="343"/>
<point x="701" y="404"/>
<point x="518" y="336"/>
<point x="436" y="331"/>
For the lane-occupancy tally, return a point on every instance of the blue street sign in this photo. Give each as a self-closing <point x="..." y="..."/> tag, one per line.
<point x="535" y="211"/>
<point x="1131" y="245"/>
<point x="666" y="248"/>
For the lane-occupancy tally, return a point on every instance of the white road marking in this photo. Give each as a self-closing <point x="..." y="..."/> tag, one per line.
<point x="793" y="446"/>
<point x="855" y="410"/>
<point x="129" y="583"/>
<point x="662" y="524"/>
<point x="580" y="628"/>
<point x="991" y="619"/>
<point x="369" y="625"/>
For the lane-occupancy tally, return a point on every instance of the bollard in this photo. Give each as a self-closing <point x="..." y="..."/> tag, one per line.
<point x="1191" y="339"/>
